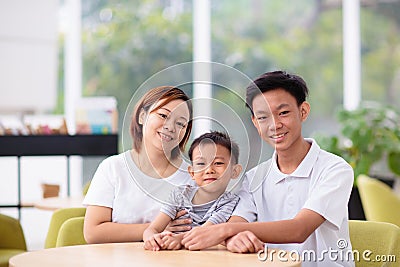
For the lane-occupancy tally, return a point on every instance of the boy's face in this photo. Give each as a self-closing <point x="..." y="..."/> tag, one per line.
<point x="212" y="164"/>
<point x="278" y="118"/>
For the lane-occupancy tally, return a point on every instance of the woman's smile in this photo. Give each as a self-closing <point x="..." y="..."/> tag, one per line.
<point x="165" y="137"/>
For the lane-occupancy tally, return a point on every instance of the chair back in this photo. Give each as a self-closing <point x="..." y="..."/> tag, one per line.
<point x="12" y="235"/>
<point x="12" y="239"/>
<point x="71" y="233"/>
<point x="85" y="188"/>
<point x="57" y="220"/>
<point x="375" y="243"/>
<point x="379" y="202"/>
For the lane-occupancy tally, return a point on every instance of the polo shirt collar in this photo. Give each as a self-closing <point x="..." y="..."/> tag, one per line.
<point x="305" y="167"/>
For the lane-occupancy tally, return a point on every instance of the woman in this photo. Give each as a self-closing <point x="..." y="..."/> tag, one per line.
<point x="127" y="189"/>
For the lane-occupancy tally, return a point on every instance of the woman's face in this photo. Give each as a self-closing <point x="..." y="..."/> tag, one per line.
<point x="165" y="127"/>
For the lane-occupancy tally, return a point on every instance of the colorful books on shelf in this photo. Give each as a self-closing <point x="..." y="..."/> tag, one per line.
<point x="93" y="116"/>
<point x="29" y="124"/>
<point x="96" y="115"/>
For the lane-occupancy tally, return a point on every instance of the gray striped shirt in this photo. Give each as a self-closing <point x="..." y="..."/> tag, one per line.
<point x="216" y="211"/>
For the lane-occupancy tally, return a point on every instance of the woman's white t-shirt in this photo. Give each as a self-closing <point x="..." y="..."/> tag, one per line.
<point x="133" y="196"/>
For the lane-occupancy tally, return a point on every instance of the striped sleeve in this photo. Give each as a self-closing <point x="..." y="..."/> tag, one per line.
<point x="222" y="209"/>
<point x="174" y="203"/>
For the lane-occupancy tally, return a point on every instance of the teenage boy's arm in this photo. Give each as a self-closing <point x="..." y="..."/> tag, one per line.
<point x="295" y="230"/>
<point x="152" y="238"/>
<point x="235" y="219"/>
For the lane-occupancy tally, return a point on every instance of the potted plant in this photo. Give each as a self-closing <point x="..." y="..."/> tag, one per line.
<point x="369" y="134"/>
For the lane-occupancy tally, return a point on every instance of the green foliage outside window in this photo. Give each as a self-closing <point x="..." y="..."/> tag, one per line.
<point x="367" y="135"/>
<point x="125" y="42"/>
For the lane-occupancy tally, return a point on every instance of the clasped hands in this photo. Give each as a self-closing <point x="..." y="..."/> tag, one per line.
<point x="164" y="241"/>
<point x="167" y="240"/>
<point x="202" y="237"/>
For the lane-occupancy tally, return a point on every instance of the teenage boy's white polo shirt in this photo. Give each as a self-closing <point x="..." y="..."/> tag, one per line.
<point x="322" y="183"/>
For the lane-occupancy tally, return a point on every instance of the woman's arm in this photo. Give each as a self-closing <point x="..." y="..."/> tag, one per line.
<point x="98" y="227"/>
<point x="180" y="225"/>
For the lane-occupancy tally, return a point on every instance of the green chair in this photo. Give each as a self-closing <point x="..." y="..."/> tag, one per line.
<point x="57" y="220"/>
<point x="380" y="238"/>
<point x="12" y="239"/>
<point x="71" y="233"/>
<point x="85" y="188"/>
<point x="379" y="202"/>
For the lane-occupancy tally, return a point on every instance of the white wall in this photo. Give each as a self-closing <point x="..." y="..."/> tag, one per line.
<point x="28" y="55"/>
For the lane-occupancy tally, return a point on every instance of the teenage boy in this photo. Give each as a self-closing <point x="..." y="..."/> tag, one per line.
<point x="299" y="197"/>
<point x="214" y="160"/>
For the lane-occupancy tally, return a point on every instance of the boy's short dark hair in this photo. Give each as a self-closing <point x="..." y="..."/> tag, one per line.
<point x="291" y="83"/>
<point x="217" y="138"/>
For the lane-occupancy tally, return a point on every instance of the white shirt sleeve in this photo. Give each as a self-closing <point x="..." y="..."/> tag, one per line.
<point x="330" y="194"/>
<point x="102" y="187"/>
<point x="245" y="207"/>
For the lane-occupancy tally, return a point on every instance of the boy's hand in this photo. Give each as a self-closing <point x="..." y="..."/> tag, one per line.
<point x="156" y="242"/>
<point x="172" y="241"/>
<point x="244" y="242"/>
<point x="179" y="225"/>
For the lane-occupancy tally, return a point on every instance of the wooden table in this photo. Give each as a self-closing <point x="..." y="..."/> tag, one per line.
<point x="133" y="254"/>
<point x="54" y="203"/>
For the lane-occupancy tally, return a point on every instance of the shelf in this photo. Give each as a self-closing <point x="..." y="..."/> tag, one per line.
<point x="53" y="145"/>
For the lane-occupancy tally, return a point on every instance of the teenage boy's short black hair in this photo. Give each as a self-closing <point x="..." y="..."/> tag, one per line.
<point x="216" y="138"/>
<point x="291" y="83"/>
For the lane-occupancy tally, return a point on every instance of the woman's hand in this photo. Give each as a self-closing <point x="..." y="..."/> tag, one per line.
<point x="179" y="224"/>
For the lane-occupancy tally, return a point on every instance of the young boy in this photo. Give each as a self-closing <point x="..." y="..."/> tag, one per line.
<point x="299" y="197"/>
<point x="214" y="160"/>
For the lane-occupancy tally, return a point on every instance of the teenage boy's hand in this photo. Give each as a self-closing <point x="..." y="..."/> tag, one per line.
<point x="244" y="242"/>
<point x="179" y="225"/>
<point x="204" y="237"/>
